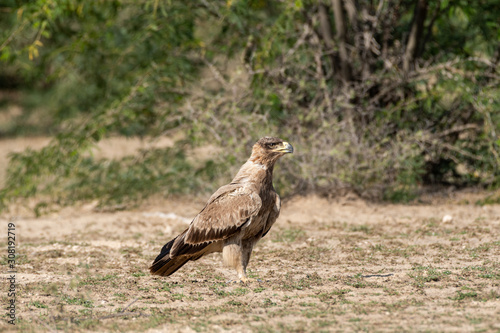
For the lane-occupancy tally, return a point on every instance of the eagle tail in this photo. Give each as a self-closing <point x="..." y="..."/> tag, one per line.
<point x="166" y="265"/>
<point x="165" y="250"/>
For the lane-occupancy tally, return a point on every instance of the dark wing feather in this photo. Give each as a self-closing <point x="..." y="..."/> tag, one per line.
<point x="164" y="264"/>
<point x="273" y="215"/>
<point x="167" y="266"/>
<point x="165" y="250"/>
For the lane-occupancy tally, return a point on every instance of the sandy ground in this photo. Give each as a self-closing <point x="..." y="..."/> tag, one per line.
<point x="327" y="265"/>
<point x="333" y="266"/>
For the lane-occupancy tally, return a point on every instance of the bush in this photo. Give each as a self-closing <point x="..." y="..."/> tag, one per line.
<point x="379" y="99"/>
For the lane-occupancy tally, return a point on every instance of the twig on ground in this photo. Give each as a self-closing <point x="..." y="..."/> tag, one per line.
<point x="135" y="300"/>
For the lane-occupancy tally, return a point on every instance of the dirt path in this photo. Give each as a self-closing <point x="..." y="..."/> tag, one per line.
<point x="326" y="266"/>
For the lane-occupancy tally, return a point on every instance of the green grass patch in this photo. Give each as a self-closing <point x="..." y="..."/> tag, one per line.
<point x="38" y="305"/>
<point x="288" y="235"/>
<point x="78" y="301"/>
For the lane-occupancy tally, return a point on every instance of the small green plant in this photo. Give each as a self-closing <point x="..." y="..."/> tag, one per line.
<point x="288" y="235"/>
<point x="426" y="274"/>
<point x="219" y="291"/>
<point x="356" y="281"/>
<point x="78" y="301"/>
<point x="95" y="280"/>
<point x="492" y="199"/>
<point x="268" y="303"/>
<point x="252" y="274"/>
<point x="167" y="286"/>
<point x="464" y="295"/>
<point x="361" y="228"/>
<point x="38" y="305"/>
<point x="120" y="295"/>
<point x="178" y="296"/>
<point x="240" y="291"/>
<point x="234" y="303"/>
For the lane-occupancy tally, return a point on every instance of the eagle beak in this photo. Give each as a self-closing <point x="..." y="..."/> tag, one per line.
<point x="285" y="148"/>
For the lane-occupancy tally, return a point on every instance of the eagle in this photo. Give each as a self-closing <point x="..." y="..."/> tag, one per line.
<point x="235" y="217"/>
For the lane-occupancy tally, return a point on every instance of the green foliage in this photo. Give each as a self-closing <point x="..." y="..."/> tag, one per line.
<point x="78" y="301"/>
<point x="110" y="67"/>
<point x="464" y="295"/>
<point x="74" y="176"/>
<point x="424" y="274"/>
<point x="491" y="199"/>
<point x="38" y="304"/>
<point x="226" y="73"/>
<point x="288" y="235"/>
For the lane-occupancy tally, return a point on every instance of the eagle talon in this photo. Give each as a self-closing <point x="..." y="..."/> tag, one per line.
<point x="246" y="280"/>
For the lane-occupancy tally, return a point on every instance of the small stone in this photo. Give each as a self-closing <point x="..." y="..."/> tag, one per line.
<point x="447" y="218"/>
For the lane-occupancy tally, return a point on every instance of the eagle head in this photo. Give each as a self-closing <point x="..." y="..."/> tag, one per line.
<point x="267" y="150"/>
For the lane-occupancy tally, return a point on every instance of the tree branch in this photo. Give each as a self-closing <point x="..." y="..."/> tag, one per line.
<point x="340" y="27"/>
<point x="415" y="34"/>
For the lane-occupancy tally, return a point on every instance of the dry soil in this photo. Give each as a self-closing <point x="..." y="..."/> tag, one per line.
<point x="327" y="265"/>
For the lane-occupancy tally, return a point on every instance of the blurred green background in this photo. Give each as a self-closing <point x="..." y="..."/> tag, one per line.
<point x="383" y="98"/>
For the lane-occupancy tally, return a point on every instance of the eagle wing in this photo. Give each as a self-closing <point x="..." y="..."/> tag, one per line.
<point x="273" y="215"/>
<point x="226" y="211"/>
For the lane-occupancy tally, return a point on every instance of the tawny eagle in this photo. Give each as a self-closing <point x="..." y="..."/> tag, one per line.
<point x="235" y="217"/>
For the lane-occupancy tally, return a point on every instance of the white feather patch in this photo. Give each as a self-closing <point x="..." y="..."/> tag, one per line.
<point x="258" y="165"/>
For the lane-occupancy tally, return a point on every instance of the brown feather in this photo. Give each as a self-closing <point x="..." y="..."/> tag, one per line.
<point x="273" y="216"/>
<point x="169" y="266"/>
<point x="235" y="217"/>
<point x="228" y="209"/>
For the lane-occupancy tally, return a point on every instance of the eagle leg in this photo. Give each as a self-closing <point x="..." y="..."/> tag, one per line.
<point x="236" y="254"/>
<point x="246" y="252"/>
